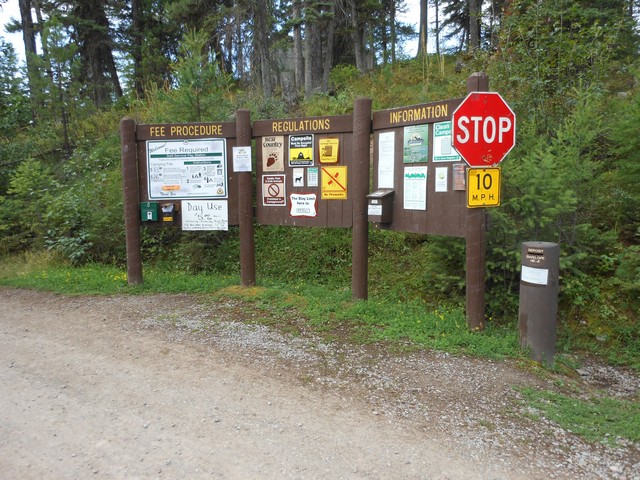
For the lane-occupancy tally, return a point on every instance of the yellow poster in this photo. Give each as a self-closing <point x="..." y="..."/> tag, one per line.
<point x="334" y="183"/>
<point x="329" y="148"/>
<point x="301" y="150"/>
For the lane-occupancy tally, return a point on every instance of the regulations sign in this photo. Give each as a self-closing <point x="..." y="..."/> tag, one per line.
<point x="483" y="187"/>
<point x="183" y="169"/>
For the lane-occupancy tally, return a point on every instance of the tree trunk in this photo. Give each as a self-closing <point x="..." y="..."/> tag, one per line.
<point x="261" y="44"/>
<point x="437" y="8"/>
<point x="29" y="39"/>
<point x="424" y="28"/>
<point x="137" y="27"/>
<point x="358" y="38"/>
<point x="328" y="50"/>
<point x="298" y="56"/>
<point x="392" y="29"/>
<point x="474" y="24"/>
<point x="95" y="46"/>
<point x="240" y="67"/>
<point x="43" y="40"/>
<point x="313" y="50"/>
<point x="384" y="37"/>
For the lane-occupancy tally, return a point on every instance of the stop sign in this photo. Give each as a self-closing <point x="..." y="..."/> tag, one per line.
<point x="484" y="129"/>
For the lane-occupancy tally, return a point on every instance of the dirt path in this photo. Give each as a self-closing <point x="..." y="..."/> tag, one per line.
<point x="134" y="387"/>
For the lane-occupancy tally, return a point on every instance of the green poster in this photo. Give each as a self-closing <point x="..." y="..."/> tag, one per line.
<point x="416" y="144"/>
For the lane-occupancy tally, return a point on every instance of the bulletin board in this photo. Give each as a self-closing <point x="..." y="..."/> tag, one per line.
<point x="304" y="171"/>
<point x="413" y="156"/>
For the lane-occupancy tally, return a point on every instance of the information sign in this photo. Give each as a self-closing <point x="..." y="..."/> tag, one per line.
<point x="303" y="205"/>
<point x="183" y="169"/>
<point x="329" y="149"/>
<point x="443" y="150"/>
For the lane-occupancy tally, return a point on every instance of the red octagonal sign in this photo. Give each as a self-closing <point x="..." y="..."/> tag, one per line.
<point x="484" y="129"/>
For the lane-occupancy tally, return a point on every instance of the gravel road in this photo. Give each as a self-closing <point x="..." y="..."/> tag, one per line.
<point x="184" y="387"/>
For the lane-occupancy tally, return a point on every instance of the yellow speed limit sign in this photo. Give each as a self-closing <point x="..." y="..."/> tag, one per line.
<point x="483" y="187"/>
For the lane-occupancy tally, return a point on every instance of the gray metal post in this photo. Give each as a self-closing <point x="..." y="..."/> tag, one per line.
<point x="538" y="310"/>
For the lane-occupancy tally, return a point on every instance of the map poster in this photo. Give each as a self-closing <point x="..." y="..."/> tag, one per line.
<point x="187" y="168"/>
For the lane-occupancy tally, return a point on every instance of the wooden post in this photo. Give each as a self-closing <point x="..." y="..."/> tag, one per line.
<point x="131" y="197"/>
<point x="475" y="236"/>
<point x="245" y="206"/>
<point x="360" y="189"/>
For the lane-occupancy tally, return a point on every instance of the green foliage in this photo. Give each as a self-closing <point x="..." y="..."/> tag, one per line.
<point x="597" y="419"/>
<point x="548" y="49"/>
<point x="22" y="211"/>
<point x="319" y="255"/>
<point x="261" y="107"/>
<point x="202" y="87"/>
<point x="14" y="103"/>
<point x="628" y="274"/>
<point x="623" y="185"/>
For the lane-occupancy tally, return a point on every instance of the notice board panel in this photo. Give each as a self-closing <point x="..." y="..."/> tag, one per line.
<point x="428" y="197"/>
<point x="293" y="159"/>
<point x="186" y="132"/>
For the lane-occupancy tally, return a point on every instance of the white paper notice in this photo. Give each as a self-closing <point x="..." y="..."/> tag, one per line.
<point x="415" y="188"/>
<point x="205" y="215"/>
<point x="386" y="151"/>
<point x="298" y="177"/>
<point x="241" y="159"/>
<point x="539" y="276"/>
<point x="374" y="210"/>
<point x="303" y="204"/>
<point x="442" y="179"/>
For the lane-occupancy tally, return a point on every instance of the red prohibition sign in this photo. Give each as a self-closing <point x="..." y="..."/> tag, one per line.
<point x="273" y="190"/>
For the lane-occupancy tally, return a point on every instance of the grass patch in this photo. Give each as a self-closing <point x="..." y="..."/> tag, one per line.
<point x="329" y="311"/>
<point x="47" y="272"/>
<point x="604" y="420"/>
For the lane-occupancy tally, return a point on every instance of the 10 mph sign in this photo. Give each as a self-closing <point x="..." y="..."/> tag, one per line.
<point x="484" y="129"/>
